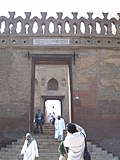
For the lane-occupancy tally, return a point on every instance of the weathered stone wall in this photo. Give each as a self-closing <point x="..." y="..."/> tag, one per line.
<point x="97" y="81"/>
<point x="15" y="82"/>
<point x="97" y="84"/>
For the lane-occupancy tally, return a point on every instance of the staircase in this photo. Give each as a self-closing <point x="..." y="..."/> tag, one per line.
<point x="48" y="148"/>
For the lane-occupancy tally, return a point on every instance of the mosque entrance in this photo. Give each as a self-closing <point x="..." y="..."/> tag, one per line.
<point x="52" y="77"/>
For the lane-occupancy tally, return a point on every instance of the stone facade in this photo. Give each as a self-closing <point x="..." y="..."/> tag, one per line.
<point x="84" y="58"/>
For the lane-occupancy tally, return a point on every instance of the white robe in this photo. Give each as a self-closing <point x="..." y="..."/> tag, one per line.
<point x="50" y="118"/>
<point x="31" y="151"/>
<point x="80" y="129"/>
<point x="59" y="127"/>
<point x="76" y="144"/>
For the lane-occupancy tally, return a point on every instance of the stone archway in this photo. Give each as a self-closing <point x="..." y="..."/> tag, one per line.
<point x="57" y="68"/>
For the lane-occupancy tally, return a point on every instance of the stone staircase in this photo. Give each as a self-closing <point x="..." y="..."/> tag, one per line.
<point x="48" y="148"/>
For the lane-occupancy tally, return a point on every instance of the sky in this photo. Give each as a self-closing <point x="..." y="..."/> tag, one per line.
<point x="66" y="6"/>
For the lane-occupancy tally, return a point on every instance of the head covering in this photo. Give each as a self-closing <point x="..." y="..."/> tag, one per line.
<point x="71" y="128"/>
<point x="28" y="134"/>
<point x="59" y="117"/>
<point x="30" y="139"/>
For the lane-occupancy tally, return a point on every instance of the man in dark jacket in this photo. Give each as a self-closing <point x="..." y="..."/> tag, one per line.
<point x="39" y="120"/>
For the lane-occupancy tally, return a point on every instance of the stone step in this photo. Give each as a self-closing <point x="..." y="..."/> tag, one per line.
<point x="4" y="154"/>
<point x="100" y="156"/>
<point x="18" y="146"/>
<point x="17" y="150"/>
<point x="48" y="148"/>
<point x="39" y="141"/>
<point x="40" y="158"/>
<point x="52" y="156"/>
<point x="95" y="150"/>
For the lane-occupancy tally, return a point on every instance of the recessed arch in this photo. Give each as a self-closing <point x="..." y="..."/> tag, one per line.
<point x="52" y="84"/>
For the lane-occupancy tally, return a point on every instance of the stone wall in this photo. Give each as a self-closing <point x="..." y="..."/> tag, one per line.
<point x="15" y="82"/>
<point x="97" y="85"/>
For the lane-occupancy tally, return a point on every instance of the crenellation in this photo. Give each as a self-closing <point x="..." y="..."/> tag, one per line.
<point x="82" y="32"/>
<point x="90" y="24"/>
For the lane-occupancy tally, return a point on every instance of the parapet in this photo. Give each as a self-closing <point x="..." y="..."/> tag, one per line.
<point x="78" y="31"/>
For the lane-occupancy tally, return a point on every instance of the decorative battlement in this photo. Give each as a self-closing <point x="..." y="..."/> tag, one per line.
<point x="75" y="25"/>
<point x="86" y="31"/>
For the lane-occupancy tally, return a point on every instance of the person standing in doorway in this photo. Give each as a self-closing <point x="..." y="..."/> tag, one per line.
<point x="53" y="118"/>
<point x="39" y="120"/>
<point x="30" y="148"/>
<point x="50" y="118"/>
<point x="59" y="128"/>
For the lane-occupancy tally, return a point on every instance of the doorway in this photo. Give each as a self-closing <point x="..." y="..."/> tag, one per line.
<point x="44" y="69"/>
<point x="52" y="107"/>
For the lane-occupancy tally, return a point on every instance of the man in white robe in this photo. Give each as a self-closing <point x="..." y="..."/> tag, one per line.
<point x="29" y="149"/>
<point x="50" y="118"/>
<point x="59" y="128"/>
<point x="75" y="141"/>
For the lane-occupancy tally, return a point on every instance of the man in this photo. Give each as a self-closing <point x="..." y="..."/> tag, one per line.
<point x="59" y="127"/>
<point x="29" y="149"/>
<point x="39" y="120"/>
<point x="54" y="117"/>
<point x="75" y="141"/>
<point x="50" y="118"/>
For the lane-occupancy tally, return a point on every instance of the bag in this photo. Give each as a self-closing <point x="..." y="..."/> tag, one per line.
<point x="62" y="157"/>
<point x="86" y="155"/>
